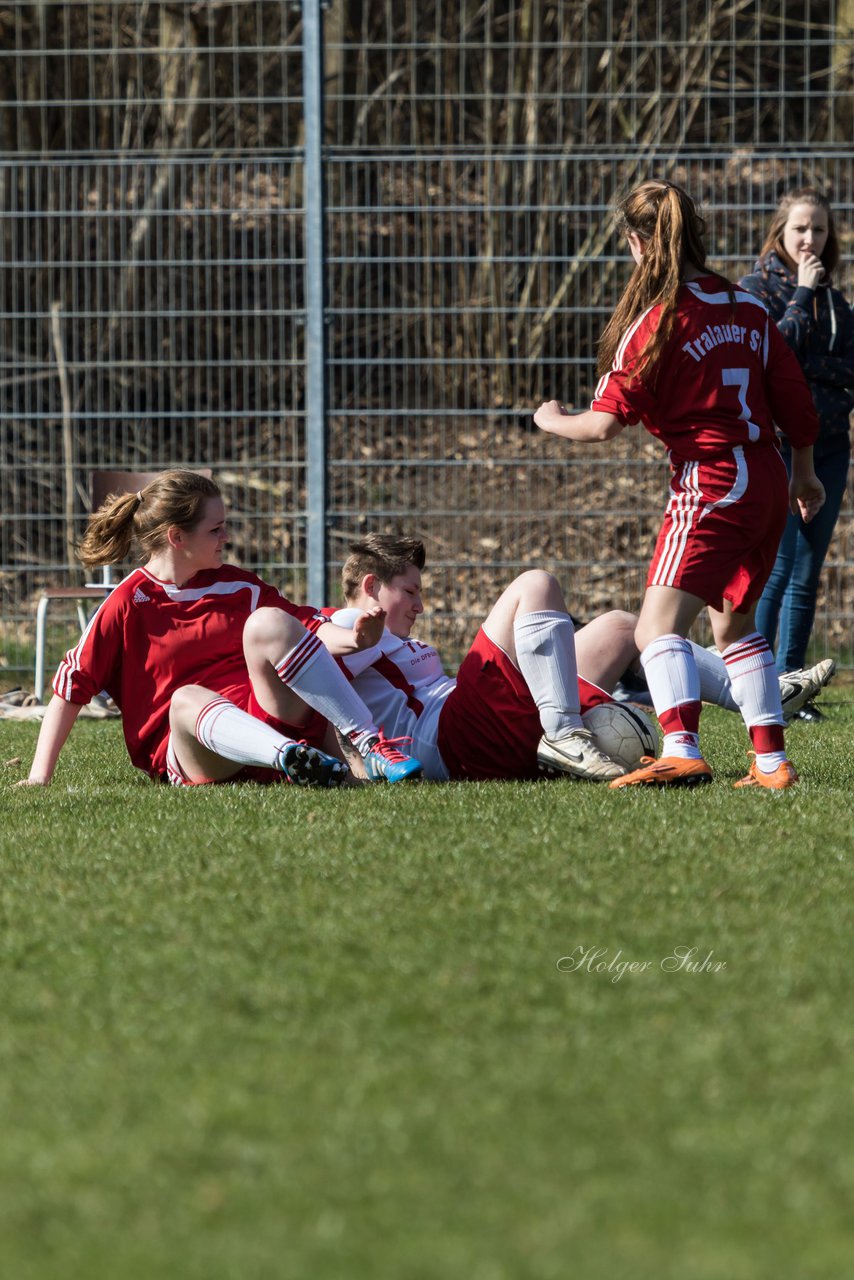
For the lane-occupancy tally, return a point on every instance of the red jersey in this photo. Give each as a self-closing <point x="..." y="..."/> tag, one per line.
<point x="724" y="377"/>
<point x="150" y="638"/>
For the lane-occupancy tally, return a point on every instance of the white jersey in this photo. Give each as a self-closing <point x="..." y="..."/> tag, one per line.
<point x="405" y="686"/>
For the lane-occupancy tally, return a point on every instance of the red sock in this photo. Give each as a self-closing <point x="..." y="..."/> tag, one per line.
<point x="682" y="719"/>
<point x="766" y="738"/>
<point x="681" y="727"/>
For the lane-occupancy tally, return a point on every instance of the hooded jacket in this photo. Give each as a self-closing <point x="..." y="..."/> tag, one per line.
<point x="819" y="327"/>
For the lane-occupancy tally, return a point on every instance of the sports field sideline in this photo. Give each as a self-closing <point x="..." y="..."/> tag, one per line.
<point x="480" y="1031"/>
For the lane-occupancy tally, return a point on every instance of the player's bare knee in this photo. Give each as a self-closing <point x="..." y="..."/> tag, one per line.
<point x="622" y="623"/>
<point x="539" y="589"/>
<point x="617" y="631"/>
<point x="185" y="705"/>
<point x="271" y="632"/>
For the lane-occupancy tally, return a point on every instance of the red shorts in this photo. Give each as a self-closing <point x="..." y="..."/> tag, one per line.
<point x="490" y="726"/>
<point x="313" y="731"/>
<point x="722" y="527"/>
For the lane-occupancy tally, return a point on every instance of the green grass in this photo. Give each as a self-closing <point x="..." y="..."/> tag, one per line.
<point x="253" y="1032"/>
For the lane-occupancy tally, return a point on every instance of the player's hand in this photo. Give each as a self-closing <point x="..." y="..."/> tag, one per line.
<point x="33" y="782"/>
<point x="548" y="410"/>
<point x="810" y="271"/>
<point x="806" y="497"/>
<point x="368" y="629"/>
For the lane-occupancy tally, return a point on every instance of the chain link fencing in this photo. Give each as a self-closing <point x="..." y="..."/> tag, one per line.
<point x="153" y="249"/>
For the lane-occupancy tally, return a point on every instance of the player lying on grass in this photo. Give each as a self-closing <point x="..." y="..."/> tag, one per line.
<point x="517" y="700"/>
<point x="217" y="675"/>
<point x="705" y="370"/>
<point x="518" y="696"/>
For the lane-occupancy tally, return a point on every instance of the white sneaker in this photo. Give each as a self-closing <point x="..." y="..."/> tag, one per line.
<point x="800" y="687"/>
<point x="577" y="754"/>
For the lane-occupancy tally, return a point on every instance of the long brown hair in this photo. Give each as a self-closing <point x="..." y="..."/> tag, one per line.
<point x="174" y="498"/>
<point x="774" y="238"/>
<point x="665" y="218"/>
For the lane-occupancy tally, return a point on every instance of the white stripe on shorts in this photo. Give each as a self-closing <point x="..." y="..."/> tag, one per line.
<point x="683" y="508"/>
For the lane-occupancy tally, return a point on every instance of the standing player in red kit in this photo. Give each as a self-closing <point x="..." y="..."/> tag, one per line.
<point x="705" y="370"/>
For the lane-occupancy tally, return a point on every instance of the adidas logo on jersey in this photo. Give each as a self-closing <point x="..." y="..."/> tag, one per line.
<point x="139" y="596"/>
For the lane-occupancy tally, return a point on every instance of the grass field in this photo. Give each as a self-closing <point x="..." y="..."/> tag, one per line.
<point x="270" y="1033"/>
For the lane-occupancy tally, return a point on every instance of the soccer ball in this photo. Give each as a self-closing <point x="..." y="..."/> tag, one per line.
<point x="624" y="733"/>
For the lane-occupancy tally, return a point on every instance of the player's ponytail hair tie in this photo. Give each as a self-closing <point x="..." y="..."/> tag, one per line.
<point x="139" y="495"/>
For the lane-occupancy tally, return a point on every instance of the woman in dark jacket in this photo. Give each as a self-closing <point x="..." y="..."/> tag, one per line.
<point x="793" y="279"/>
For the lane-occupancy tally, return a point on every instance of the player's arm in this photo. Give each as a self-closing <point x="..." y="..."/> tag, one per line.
<point x="347" y="632"/>
<point x="57" y="724"/>
<point x="93" y="664"/>
<point x="365" y="633"/>
<point x="347" y="620"/>
<point x="590" y="425"/>
<point x="806" y="492"/>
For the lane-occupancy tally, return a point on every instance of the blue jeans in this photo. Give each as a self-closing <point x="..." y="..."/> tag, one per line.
<point x="790" y="592"/>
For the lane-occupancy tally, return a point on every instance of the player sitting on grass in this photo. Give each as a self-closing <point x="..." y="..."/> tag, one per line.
<point x="519" y="692"/>
<point x="216" y="674"/>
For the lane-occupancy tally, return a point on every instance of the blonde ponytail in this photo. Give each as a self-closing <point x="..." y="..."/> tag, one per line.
<point x="109" y="533"/>
<point x="174" y="498"/>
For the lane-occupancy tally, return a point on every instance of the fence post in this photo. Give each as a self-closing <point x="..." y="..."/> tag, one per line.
<point x="315" y="300"/>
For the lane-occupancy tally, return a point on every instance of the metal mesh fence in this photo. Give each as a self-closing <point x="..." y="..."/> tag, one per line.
<point x="152" y="266"/>
<point x="151" y="275"/>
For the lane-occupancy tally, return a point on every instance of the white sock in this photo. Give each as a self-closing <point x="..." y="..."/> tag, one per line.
<point x="363" y="740"/>
<point x="314" y="675"/>
<point x="671" y="672"/>
<point x="235" y="735"/>
<point x="754" y="680"/>
<point x="674" y="683"/>
<point x="768" y="761"/>
<point x="714" y="678"/>
<point x="545" y="654"/>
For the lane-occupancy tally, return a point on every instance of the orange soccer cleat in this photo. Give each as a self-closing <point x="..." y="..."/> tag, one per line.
<point x="783" y="776"/>
<point x="669" y="771"/>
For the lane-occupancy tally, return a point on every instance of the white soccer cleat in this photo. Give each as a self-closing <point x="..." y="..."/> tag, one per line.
<point x="576" y="754"/>
<point x="799" y="687"/>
